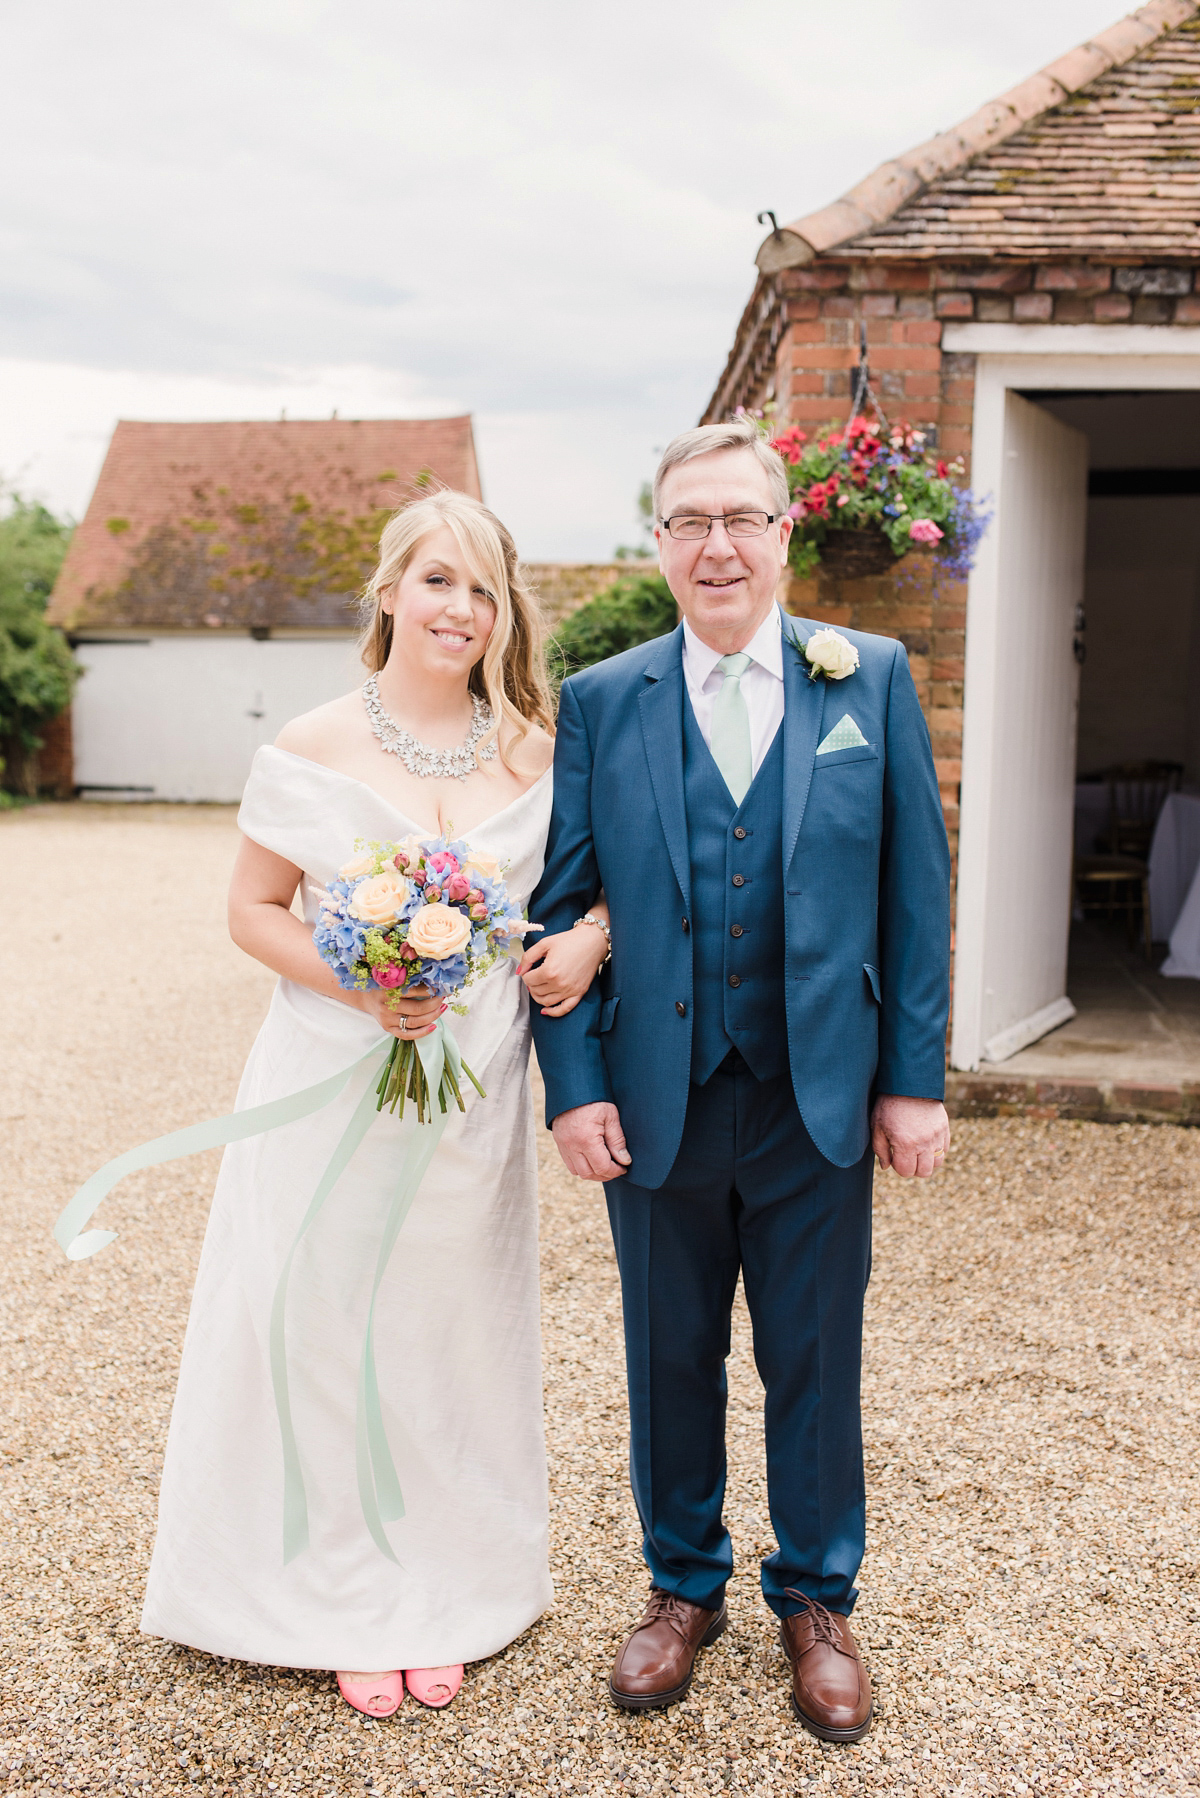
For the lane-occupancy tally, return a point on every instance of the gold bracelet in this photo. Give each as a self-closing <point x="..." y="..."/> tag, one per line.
<point x="588" y="918"/>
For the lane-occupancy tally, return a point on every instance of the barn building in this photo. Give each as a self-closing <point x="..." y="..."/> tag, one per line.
<point x="1028" y="283"/>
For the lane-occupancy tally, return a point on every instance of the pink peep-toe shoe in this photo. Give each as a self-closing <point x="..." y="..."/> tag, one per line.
<point x="376" y="1696"/>
<point x="434" y="1686"/>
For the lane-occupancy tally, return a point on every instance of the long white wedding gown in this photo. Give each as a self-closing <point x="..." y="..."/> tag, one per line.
<point x="457" y="1324"/>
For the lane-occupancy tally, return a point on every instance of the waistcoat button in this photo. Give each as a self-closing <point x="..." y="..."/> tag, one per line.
<point x="739" y="832"/>
<point x="739" y="880"/>
<point x="735" y="930"/>
<point x="681" y="1008"/>
<point x="735" y="980"/>
<point x="686" y="926"/>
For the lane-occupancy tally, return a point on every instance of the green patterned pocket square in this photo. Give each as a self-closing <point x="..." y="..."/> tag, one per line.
<point x="844" y="735"/>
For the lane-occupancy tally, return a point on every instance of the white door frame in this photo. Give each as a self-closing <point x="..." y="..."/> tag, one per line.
<point x="1024" y="357"/>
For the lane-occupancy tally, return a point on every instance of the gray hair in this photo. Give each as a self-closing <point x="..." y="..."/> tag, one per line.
<point x="738" y="433"/>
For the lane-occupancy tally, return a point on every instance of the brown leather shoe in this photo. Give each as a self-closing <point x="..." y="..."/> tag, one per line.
<point x="831" y="1693"/>
<point x="654" y="1665"/>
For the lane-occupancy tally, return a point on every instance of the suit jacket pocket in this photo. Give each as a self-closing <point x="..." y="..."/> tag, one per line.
<point x="872" y="975"/>
<point x="836" y="758"/>
<point x="608" y="1012"/>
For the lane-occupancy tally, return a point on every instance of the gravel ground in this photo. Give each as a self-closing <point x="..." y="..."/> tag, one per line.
<point x="1029" y="1601"/>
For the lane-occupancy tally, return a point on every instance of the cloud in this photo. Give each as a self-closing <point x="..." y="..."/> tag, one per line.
<point x="534" y="212"/>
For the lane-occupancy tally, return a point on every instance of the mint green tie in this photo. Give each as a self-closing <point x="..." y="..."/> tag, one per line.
<point x="731" y="728"/>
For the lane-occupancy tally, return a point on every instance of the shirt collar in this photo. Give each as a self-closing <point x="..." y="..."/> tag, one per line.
<point x="765" y="647"/>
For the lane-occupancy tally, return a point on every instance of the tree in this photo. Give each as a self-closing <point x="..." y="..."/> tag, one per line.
<point x="37" y="670"/>
<point x="631" y="611"/>
<point x="645" y="522"/>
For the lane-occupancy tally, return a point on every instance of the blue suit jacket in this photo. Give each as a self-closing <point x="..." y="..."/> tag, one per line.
<point x="866" y="876"/>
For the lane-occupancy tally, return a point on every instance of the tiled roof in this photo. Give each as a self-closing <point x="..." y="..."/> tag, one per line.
<point x="168" y="492"/>
<point x="1096" y="156"/>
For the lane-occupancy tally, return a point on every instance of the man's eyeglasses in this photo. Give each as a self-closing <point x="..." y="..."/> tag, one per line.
<point x="689" y="527"/>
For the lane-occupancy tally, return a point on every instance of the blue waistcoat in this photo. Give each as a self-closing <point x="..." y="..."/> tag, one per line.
<point x="737" y="921"/>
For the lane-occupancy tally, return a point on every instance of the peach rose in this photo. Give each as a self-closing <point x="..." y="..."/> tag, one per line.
<point x="486" y="866"/>
<point x="378" y="900"/>
<point x="359" y="864"/>
<point x="438" y="931"/>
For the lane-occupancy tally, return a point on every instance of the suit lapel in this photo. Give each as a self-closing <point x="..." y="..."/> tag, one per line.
<point x="803" y="709"/>
<point x="661" y="711"/>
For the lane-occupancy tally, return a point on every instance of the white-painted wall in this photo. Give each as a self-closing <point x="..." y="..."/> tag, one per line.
<point x="180" y="717"/>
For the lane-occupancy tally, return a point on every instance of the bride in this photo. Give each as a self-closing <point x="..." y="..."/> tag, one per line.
<point x="450" y="734"/>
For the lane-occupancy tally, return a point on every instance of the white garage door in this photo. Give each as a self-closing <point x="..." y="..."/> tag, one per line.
<point x="180" y="717"/>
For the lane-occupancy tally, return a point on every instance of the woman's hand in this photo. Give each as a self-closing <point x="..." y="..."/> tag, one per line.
<point x="559" y="970"/>
<point x="403" y="1015"/>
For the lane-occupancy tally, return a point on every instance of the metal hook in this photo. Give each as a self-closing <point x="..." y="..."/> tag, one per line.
<point x="775" y="231"/>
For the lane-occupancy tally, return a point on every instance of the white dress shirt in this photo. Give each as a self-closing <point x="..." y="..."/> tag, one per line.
<point x="762" y="683"/>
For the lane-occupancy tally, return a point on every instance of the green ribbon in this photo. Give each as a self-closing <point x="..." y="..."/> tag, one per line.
<point x="378" y="1484"/>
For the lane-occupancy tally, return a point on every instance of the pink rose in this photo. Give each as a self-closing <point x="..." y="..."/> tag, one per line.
<point x="474" y="896"/>
<point x="419" y="877"/>
<point x="479" y="912"/>
<point x="923" y="530"/>
<point x="433" y="894"/>
<point x="407" y="954"/>
<point x="388" y="976"/>
<point x="443" y="862"/>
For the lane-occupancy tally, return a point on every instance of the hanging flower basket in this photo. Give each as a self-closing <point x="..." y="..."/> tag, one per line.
<point x="856" y="555"/>
<point x="867" y="494"/>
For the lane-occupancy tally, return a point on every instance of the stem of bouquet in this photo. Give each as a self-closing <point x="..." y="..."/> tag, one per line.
<point x="403" y="1078"/>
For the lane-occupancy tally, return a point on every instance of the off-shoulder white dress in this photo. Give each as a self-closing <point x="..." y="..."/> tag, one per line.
<point x="457" y="1324"/>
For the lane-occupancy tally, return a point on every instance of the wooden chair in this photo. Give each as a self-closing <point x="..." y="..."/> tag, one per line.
<point x="1137" y="792"/>
<point x="1120" y="884"/>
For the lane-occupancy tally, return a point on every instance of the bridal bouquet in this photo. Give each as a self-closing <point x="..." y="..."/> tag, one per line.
<point x="426" y="912"/>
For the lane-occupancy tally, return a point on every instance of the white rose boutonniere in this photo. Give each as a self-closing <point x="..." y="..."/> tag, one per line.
<point x="827" y="652"/>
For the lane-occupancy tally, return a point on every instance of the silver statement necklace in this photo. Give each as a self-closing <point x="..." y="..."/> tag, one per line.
<point x="419" y="758"/>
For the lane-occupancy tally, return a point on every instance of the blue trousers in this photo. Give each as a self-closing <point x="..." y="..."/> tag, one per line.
<point x="749" y="1192"/>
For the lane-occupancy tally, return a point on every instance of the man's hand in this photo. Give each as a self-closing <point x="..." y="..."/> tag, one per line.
<point x="909" y="1135"/>
<point x="591" y="1141"/>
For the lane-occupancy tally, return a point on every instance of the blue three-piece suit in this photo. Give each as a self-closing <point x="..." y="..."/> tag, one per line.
<point x="774" y="965"/>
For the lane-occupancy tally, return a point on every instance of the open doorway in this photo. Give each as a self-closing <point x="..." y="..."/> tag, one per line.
<point x="1138" y="641"/>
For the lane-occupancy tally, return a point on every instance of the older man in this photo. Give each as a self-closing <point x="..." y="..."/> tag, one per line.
<point x="758" y="802"/>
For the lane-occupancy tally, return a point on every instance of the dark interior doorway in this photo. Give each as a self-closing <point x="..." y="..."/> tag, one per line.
<point x="1139" y="701"/>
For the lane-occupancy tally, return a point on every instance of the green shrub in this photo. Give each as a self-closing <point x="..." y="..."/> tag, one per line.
<point x="629" y="612"/>
<point x="37" y="670"/>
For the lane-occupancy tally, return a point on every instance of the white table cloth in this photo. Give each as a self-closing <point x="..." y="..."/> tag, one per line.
<point x="1175" y="885"/>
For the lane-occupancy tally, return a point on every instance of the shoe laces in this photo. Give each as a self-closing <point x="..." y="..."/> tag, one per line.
<point x="822" y="1621"/>
<point x="669" y="1608"/>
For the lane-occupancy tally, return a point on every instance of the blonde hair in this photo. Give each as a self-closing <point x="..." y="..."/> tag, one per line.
<point x="510" y="675"/>
<point x="737" y="433"/>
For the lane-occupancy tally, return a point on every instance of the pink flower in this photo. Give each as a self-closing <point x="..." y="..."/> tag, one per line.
<point x="457" y="887"/>
<point x="407" y="954"/>
<point x="474" y="896"/>
<point x="388" y="976"/>
<point x="843" y="499"/>
<point x="795" y="510"/>
<point x="400" y="861"/>
<point x="923" y="530"/>
<point x="419" y="876"/>
<point x="479" y="913"/>
<point x="433" y="895"/>
<point x="443" y="862"/>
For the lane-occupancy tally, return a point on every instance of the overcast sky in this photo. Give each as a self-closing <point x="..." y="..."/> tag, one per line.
<point x="537" y="211"/>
